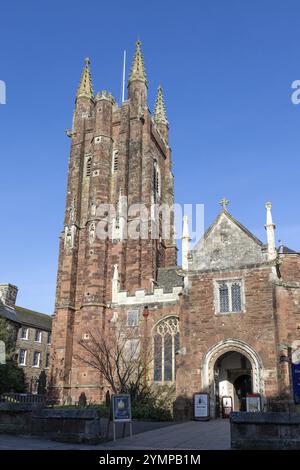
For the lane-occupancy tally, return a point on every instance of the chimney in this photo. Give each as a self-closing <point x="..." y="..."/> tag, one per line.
<point x="8" y="294"/>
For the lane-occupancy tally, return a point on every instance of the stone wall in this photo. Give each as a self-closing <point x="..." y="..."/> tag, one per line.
<point x="73" y="425"/>
<point x="266" y="431"/>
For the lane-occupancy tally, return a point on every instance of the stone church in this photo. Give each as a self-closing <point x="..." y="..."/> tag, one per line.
<point x="226" y="322"/>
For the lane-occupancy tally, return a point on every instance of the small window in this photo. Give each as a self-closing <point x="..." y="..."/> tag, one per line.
<point x="115" y="161"/>
<point x="38" y="336"/>
<point x="88" y="168"/>
<point x="24" y="332"/>
<point x="229" y="296"/>
<point x="36" y="359"/>
<point x="156" y="182"/>
<point x="49" y="337"/>
<point x="132" y="318"/>
<point x="47" y="360"/>
<point x="22" y="357"/>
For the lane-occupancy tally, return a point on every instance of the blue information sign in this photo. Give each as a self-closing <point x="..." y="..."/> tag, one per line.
<point x="296" y="381"/>
<point x="121" y="408"/>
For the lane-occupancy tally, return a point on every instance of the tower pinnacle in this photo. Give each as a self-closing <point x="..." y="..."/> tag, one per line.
<point x="160" y="114"/>
<point x="85" y="87"/>
<point x="270" y="228"/>
<point x="185" y="243"/>
<point x="138" y="69"/>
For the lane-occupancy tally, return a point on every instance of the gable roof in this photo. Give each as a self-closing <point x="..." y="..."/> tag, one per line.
<point x="227" y="244"/>
<point x="235" y="221"/>
<point x="34" y="319"/>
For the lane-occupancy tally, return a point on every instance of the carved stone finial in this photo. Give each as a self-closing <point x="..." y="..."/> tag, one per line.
<point x="85" y="87"/>
<point x="224" y="203"/>
<point x="160" y="114"/>
<point x="138" y="71"/>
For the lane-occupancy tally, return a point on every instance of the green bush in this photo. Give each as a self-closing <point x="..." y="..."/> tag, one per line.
<point x="103" y="410"/>
<point x="152" y="411"/>
<point x="12" y="378"/>
<point x="148" y="405"/>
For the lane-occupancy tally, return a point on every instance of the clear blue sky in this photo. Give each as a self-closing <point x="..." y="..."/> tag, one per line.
<point x="226" y="68"/>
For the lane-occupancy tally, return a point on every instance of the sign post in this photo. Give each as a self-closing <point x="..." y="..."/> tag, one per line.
<point x="201" y="407"/>
<point x="121" y="411"/>
<point x="253" y="402"/>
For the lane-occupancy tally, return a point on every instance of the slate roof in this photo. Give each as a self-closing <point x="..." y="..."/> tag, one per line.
<point x="285" y="250"/>
<point x="167" y="278"/>
<point x="8" y="313"/>
<point x="34" y="319"/>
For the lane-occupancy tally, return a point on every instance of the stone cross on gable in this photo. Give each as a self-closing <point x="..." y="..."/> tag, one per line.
<point x="224" y="203"/>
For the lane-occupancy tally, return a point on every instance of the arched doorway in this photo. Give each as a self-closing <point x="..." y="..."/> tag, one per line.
<point x="232" y="378"/>
<point x="223" y="364"/>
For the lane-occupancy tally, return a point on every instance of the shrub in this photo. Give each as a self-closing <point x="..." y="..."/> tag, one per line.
<point x="12" y="378"/>
<point x="152" y="411"/>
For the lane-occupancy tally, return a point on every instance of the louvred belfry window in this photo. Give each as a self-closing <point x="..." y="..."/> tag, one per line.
<point x="115" y="161"/>
<point x="88" y="167"/>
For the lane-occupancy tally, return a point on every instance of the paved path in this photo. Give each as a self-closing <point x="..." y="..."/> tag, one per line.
<point x="195" y="435"/>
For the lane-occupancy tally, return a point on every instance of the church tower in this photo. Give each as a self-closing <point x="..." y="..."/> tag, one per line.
<point x="118" y="154"/>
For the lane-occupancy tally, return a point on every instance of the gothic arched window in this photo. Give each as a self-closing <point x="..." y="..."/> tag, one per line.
<point x="165" y="345"/>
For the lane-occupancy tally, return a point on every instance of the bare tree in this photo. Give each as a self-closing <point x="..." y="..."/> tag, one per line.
<point x="121" y="357"/>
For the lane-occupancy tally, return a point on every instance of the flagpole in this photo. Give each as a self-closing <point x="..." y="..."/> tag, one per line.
<point x="123" y="81"/>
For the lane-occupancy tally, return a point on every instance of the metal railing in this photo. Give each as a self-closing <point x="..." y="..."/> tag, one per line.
<point x="22" y="398"/>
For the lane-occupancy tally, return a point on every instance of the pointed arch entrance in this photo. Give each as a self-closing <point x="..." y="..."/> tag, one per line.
<point x="231" y="368"/>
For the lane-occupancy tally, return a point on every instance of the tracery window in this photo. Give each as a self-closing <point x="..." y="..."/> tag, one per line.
<point x="165" y="345"/>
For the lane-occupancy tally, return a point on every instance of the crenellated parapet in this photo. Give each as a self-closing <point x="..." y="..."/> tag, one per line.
<point x="142" y="297"/>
